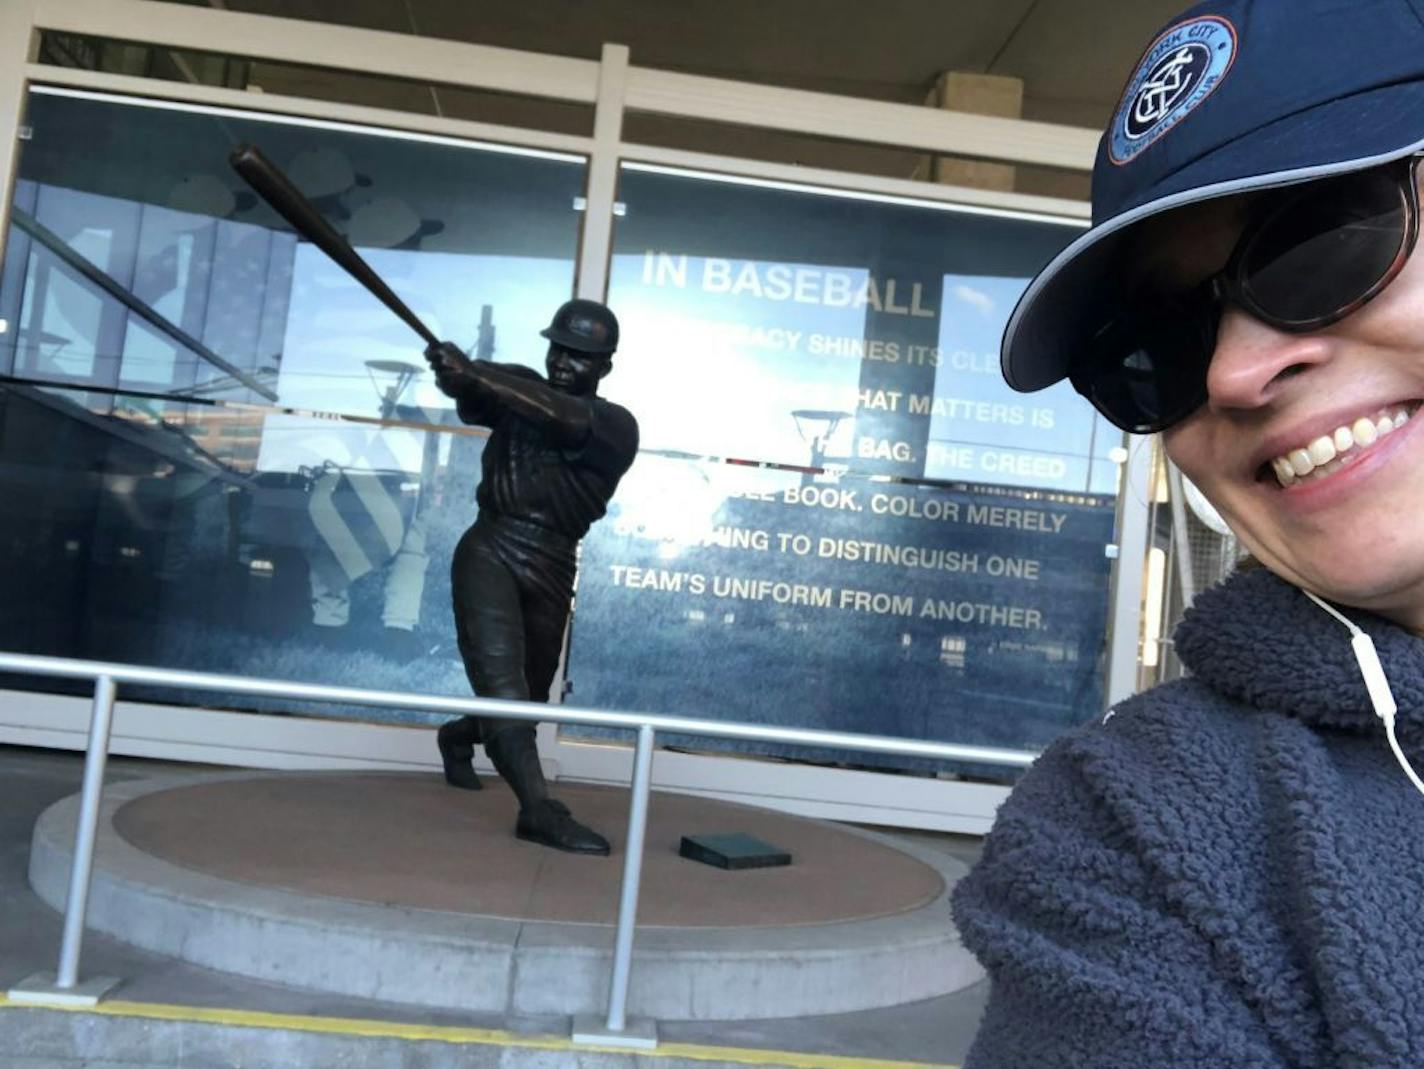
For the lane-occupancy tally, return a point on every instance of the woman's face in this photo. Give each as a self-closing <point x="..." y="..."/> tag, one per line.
<point x="1352" y="530"/>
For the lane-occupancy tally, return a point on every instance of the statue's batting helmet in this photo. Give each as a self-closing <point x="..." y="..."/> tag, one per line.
<point x="585" y="326"/>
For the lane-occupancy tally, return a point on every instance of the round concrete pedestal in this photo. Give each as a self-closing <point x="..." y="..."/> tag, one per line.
<point x="397" y="887"/>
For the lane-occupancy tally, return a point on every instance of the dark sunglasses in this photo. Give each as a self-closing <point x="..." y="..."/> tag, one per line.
<point x="1307" y="258"/>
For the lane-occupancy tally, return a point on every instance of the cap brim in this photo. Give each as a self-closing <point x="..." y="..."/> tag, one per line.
<point x="1070" y="299"/>
<point x="576" y="342"/>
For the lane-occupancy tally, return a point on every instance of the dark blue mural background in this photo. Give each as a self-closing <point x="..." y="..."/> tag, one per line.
<point x="992" y="636"/>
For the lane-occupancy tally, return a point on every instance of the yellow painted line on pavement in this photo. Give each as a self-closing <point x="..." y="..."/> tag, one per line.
<point x="351" y="1026"/>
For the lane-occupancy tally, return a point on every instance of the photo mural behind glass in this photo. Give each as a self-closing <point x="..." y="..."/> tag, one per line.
<point x="164" y="505"/>
<point x="841" y="517"/>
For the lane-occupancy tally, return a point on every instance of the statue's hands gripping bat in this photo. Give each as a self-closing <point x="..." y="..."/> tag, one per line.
<point x="287" y="201"/>
<point x="454" y="373"/>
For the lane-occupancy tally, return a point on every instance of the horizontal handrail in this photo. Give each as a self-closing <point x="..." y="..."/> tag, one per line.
<point x="520" y="710"/>
<point x="107" y="675"/>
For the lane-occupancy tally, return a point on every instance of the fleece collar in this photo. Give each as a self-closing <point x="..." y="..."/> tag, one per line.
<point x="1259" y="640"/>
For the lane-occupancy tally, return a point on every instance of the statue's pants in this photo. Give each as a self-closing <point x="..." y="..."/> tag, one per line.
<point x="511" y="582"/>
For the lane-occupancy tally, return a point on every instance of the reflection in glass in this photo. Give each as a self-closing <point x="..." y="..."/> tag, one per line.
<point x="178" y="488"/>
<point x="776" y="299"/>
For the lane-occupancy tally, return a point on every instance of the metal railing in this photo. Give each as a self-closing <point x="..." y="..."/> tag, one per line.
<point x="65" y="988"/>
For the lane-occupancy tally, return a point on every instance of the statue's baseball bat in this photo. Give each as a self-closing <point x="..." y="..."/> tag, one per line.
<point x="287" y="201"/>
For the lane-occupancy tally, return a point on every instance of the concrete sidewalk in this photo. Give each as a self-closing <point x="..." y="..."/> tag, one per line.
<point x="168" y="1013"/>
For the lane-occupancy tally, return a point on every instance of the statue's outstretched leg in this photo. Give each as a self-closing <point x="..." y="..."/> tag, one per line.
<point x="457" y="739"/>
<point x="510" y="638"/>
<point x="542" y="819"/>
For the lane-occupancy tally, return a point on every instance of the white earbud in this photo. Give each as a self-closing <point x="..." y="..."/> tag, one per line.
<point x="1381" y="697"/>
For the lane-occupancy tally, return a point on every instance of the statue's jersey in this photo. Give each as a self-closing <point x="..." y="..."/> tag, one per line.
<point x="527" y="476"/>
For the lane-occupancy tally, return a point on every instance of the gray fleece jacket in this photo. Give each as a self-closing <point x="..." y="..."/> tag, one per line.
<point x="1227" y="872"/>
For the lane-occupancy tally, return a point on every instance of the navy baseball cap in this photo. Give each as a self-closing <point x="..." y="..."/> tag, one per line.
<point x="1232" y="96"/>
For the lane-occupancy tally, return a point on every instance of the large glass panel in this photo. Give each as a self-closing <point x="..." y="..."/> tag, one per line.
<point x="841" y="517"/>
<point x="218" y="451"/>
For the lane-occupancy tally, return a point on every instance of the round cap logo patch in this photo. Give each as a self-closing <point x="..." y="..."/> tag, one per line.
<point x="1179" y="71"/>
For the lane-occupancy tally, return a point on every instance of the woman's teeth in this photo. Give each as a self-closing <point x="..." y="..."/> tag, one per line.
<point x="1331" y="452"/>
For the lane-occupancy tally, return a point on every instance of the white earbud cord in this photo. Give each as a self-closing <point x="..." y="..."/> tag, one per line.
<point x="1381" y="697"/>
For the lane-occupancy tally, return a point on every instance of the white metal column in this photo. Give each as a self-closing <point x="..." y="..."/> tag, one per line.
<point x="19" y="44"/>
<point x="595" y="246"/>
<point x="1125" y="597"/>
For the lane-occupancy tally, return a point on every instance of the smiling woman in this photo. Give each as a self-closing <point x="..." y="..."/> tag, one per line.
<point x="1225" y="871"/>
<point x="1303" y="441"/>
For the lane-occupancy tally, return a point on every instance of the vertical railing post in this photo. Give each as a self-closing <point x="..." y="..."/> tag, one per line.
<point x="65" y="988"/>
<point x="632" y="877"/>
<point x="85" y="832"/>
<point x="615" y="1030"/>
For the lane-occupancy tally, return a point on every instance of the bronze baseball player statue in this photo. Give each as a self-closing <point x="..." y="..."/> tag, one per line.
<point x="554" y="457"/>
<point x="552" y="462"/>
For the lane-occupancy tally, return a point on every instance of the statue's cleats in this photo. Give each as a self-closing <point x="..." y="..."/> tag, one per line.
<point x="457" y="754"/>
<point x="549" y="823"/>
